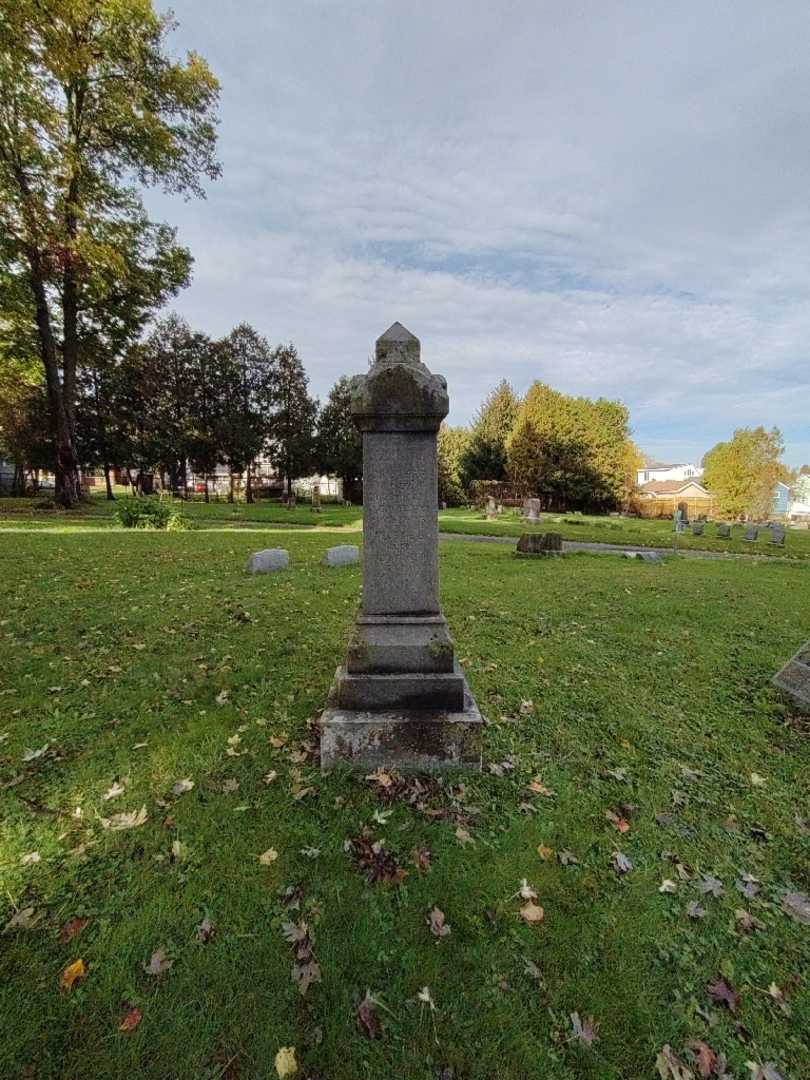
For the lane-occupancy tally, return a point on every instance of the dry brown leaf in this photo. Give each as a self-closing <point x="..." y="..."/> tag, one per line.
<point x="367" y="1020"/>
<point x="158" y="964"/>
<point x="532" y="913"/>
<point x="129" y="820"/>
<point x="71" y="928"/>
<point x="435" y="920"/>
<point x="132" y="1017"/>
<point x="72" y="974"/>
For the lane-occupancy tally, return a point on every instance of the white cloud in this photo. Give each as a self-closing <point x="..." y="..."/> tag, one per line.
<point x="609" y="197"/>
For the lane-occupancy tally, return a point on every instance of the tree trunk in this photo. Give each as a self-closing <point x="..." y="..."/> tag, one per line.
<point x="130" y="481"/>
<point x="207" y="496"/>
<point x="249" y="483"/>
<point x="230" y="485"/>
<point x="107" y="481"/>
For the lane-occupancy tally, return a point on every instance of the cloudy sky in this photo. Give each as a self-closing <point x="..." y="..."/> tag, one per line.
<point x="611" y="197"/>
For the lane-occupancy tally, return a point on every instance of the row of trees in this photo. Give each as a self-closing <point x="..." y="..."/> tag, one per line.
<point x="570" y="452"/>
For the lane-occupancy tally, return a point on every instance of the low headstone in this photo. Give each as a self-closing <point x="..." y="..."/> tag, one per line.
<point x="540" y="544"/>
<point x="492" y="512"/>
<point x="697" y="528"/>
<point x="500" y="508"/>
<point x="723" y="532"/>
<point x="644" y="556"/>
<point x="794" y="679"/>
<point x="531" y="508"/>
<point x="777" y="535"/>
<point x="265" y="562"/>
<point x="751" y="534"/>
<point x="341" y="555"/>
<point x="316" y="496"/>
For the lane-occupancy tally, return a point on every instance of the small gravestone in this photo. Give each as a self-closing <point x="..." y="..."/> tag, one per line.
<point x="751" y="534"/>
<point x="269" y="560"/>
<point x="777" y="535"/>
<point x="492" y="512"/>
<point x="341" y="555"/>
<point x="316" y="496"/>
<point x="794" y="679"/>
<point x="697" y="528"/>
<point x="540" y="544"/>
<point x="531" y="509"/>
<point x="723" y="532"/>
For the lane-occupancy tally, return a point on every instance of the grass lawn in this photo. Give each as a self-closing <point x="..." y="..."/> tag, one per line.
<point x="136" y="660"/>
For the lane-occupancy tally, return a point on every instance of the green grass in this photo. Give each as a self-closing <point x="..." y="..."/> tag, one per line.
<point x="112" y="639"/>
<point x="649" y="532"/>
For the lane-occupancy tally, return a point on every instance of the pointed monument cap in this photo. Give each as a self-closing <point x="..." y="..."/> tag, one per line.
<point x="397" y="346"/>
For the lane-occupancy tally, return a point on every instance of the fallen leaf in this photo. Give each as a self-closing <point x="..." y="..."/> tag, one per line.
<point x="367" y="1020"/>
<point x="268" y="857"/>
<point x="532" y="913"/>
<point x="180" y="787"/>
<point x="286" y="1065"/>
<point x="668" y="886"/>
<point x="537" y="788"/>
<point x="797" y="906"/>
<point x="585" y="1031"/>
<point x="33" y="755"/>
<point x="746" y="922"/>
<point x="777" y="995"/>
<point x="230" y="786"/>
<point x="268" y="778"/>
<point x="420" y="857"/>
<point x="531" y="969"/>
<point x="131" y="1019"/>
<point x="112" y="793"/>
<point x="723" y="993"/>
<point x="205" y="931"/>
<point x="767" y="1071"/>
<point x="424" y="996"/>
<point x="435" y="920"/>
<point x="621" y="863"/>
<point x="131" y="820"/>
<point x="526" y="892"/>
<point x="567" y="858"/>
<point x="694" y="910"/>
<point x="72" y="928"/>
<point x="757" y="780"/>
<point x="311" y="852"/>
<point x="158" y="964"/>
<point x="748" y="885"/>
<point x="463" y="836"/>
<point x="544" y="852"/>
<point x="619" y="823"/>
<point x="72" y="974"/>
<point x="670" y="1066"/>
<point x="31" y="858"/>
<point x="710" y="885"/>
<point x="24" y="919"/>
<point x="222" y="697"/>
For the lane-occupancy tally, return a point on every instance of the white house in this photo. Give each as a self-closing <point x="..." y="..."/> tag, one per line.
<point x="659" y="470"/>
<point x="800" y="502"/>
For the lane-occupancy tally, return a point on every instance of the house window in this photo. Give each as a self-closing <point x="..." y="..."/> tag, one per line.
<point x="646" y="477"/>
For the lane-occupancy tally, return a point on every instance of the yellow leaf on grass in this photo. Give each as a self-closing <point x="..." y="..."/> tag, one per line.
<point x="544" y="852"/>
<point x="71" y="974"/>
<point x="268" y="857"/>
<point x="286" y="1065"/>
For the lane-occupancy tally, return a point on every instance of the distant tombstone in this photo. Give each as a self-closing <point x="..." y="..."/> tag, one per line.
<point x="269" y="560"/>
<point x="531" y="508"/>
<point x="777" y="534"/>
<point x="316" y="496"/>
<point x="491" y="509"/>
<point x="794" y="679"/>
<point x="684" y="510"/>
<point x="500" y="508"/>
<point x="341" y="555"/>
<point x="751" y="534"/>
<point x="723" y="532"/>
<point x="697" y="528"/>
<point x="444" y="505"/>
<point x="540" y="544"/>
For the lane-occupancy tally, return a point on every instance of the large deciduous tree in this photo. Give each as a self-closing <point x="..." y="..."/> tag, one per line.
<point x="572" y="452"/>
<point x="91" y="104"/>
<point x="742" y="473"/>
<point x="452" y="447"/>
<point x="339" y="443"/>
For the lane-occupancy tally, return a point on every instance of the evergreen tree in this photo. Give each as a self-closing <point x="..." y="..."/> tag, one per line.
<point x="339" y="444"/>
<point x="485" y="457"/>
<point x="453" y="444"/>
<point x="291" y="446"/>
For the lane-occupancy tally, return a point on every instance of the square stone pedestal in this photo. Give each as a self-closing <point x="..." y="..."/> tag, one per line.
<point x="407" y="739"/>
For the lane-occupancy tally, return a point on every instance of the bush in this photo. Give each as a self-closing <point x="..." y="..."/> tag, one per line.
<point x="150" y="512"/>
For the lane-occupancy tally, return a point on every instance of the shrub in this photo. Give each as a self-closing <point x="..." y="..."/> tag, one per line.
<point x="150" y="512"/>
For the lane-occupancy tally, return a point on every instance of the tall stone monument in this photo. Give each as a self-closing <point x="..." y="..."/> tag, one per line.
<point x="400" y="698"/>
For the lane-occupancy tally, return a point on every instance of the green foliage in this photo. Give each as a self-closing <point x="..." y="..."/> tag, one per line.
<point x="485" y="456"/>
<point x="453" y="444"/>
<point x="572" y="452"/>
<point x="292" y="422"/>
<point x="150" y="512"/>
<point x="339" y="449"/>
<point x="742" y="472"/>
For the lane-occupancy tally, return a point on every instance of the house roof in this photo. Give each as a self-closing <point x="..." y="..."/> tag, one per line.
<point x="651" y="463"/>
<point x="671" y="487"/>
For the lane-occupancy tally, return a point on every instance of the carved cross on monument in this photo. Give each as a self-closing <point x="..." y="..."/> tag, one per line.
<point x="400" y="698"/>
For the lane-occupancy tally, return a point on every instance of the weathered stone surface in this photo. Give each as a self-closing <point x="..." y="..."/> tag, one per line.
<point x="751" y="534"/>
<point x="425" y="739"/>
<point x="265" y="562"/>
<point x="794" y="679"/>
<point x="697" y="528"/>
<point x="644" y="556"/>
<point x="400" y="698"/>
<point x="341" y="555"/>
<point x="723" y="532"/>
<point x="777" y="534"/>
<point x="540" y="544"/>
